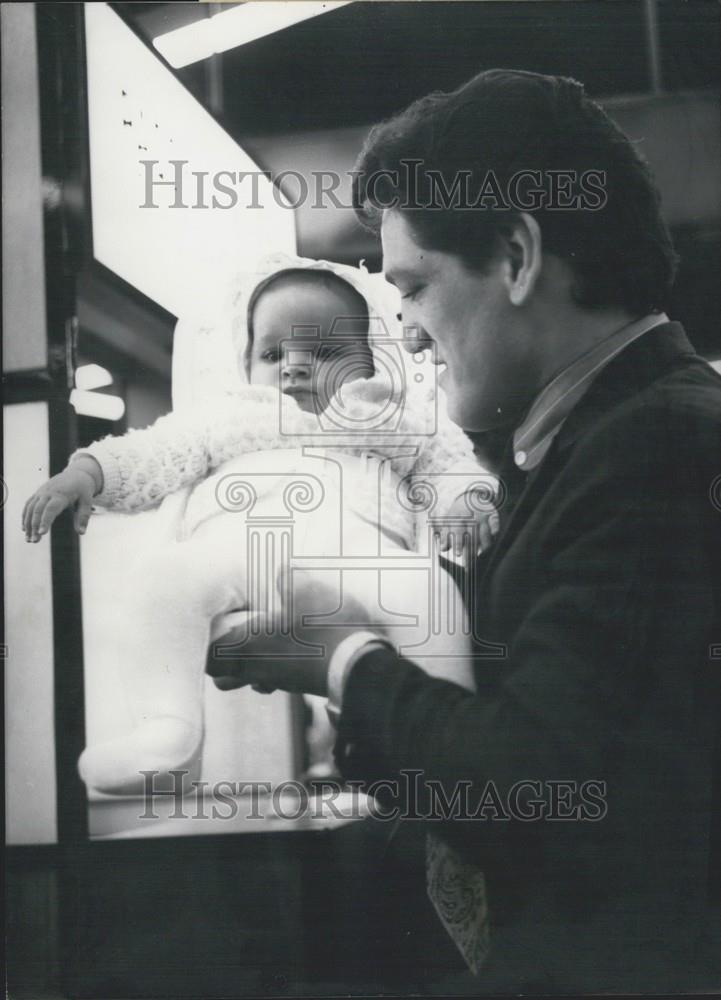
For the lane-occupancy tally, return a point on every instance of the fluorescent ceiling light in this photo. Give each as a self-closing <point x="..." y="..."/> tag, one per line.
<point x="231" y="28"/>
<point x="97" y="404"/>
<point x="92" y="377"/>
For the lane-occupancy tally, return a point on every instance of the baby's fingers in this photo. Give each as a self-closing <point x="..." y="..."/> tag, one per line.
<point x="27" y="514"/>
<point x="454" y="540"/>
<point x="486" y="537"/>
<point x="56" y="505"/>
<point x="34" y="515"/>
<point x="31" y="515"/>
<point x="443" y="537"/>
<point x="460" y="540"/>
<point x="26" y="507"/>
<point x="82" y="515"/>
<point x="44" y="513"/>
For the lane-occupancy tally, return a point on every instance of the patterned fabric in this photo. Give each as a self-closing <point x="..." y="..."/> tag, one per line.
<point x="182" y="449"/>
<point x="458" y="893"/>
<point x="230" y="418"/>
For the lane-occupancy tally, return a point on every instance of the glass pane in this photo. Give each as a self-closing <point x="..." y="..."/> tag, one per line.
<point x="147" y="132"/>
<point x="29" y="719"/>
<point x="23" y="276"/>
<point x="137" y="110"/>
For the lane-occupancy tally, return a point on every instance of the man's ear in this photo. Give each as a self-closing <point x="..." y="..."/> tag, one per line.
<point x="524" y="258"/>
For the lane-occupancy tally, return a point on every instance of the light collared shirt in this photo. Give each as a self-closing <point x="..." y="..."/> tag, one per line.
<point x="531" y="442"/>
<point x="554" y="403"/>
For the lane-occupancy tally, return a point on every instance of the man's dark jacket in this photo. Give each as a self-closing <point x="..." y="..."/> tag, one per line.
<point x="604" y="586"/>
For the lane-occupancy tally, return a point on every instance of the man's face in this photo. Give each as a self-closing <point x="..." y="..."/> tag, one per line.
<point x="488" y="380"/>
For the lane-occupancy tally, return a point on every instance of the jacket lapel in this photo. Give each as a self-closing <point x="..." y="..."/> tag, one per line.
<point x="519" y="503"/>
<point x="643" y="361"/>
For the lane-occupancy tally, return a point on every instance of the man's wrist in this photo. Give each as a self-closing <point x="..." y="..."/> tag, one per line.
<point x="344" y="658"/>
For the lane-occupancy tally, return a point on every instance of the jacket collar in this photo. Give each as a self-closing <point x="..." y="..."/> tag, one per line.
<point x="544" y="420"/>
<point x="637" y="366"/>
<point x="643" y="361"/>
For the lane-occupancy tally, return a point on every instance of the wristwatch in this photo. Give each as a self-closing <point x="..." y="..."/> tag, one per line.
<point x="344" y="658"/>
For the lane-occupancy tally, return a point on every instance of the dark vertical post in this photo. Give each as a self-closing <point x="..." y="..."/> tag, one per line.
<point x="61" y="61"/>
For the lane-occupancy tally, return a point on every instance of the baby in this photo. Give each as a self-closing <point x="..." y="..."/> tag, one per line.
<point x="316" y="377"/>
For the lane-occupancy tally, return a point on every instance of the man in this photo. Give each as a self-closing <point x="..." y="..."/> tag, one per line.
<point x="525" y="236"/>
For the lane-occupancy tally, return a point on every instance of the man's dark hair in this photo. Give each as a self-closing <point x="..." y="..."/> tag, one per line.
<point x="311" y="276"/>
<point x="498" y="124"/>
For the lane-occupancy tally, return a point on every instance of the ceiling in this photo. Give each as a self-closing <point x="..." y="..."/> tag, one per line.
<point x="304" y="96"/>
<point x="360" y="63"/>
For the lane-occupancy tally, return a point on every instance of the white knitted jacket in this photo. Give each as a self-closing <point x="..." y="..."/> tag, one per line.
<point x="182" y="449"/>
<point x="431" y="455"/>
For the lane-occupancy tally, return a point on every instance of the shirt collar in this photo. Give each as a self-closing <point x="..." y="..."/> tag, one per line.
<point x="544" y="420"/>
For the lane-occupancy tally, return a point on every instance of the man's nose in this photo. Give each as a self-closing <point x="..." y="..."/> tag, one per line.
<point x="415" y="338"/>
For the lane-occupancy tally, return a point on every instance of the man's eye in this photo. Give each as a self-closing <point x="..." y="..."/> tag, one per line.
<point x="271" y="356"/>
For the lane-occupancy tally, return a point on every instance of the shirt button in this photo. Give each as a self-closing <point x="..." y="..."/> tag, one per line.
<point x="520" y="458"/>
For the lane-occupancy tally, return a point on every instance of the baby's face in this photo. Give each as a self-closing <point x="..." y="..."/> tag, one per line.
<point x="308" y="340"/>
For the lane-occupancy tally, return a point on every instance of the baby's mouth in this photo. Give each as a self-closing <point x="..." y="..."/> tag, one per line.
<point x="304" y="397"/>
<point x="297" y="390"/>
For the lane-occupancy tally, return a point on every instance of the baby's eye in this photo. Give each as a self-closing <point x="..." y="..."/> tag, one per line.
<point x="413" y="294"/>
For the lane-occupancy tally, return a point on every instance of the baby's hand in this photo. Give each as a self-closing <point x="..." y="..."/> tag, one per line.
<point x="455" y="536"/>
<point x="72" y="486"/>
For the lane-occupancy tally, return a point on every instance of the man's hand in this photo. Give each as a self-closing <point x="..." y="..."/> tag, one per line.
<point x="73" y="486"/>
<point x="281" y="650"/>
<point x="457" y="538"/>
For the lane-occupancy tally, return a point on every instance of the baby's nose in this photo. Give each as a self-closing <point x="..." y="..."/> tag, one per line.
<point x="297" y="365"/>
<point x="295" y="373"/>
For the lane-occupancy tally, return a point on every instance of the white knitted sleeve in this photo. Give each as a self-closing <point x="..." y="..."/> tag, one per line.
<point x="447" y="465"/>
<point x="144" y="466"/>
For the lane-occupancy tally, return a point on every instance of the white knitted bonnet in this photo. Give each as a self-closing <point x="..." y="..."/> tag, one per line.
<point x="209" y="348"/>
